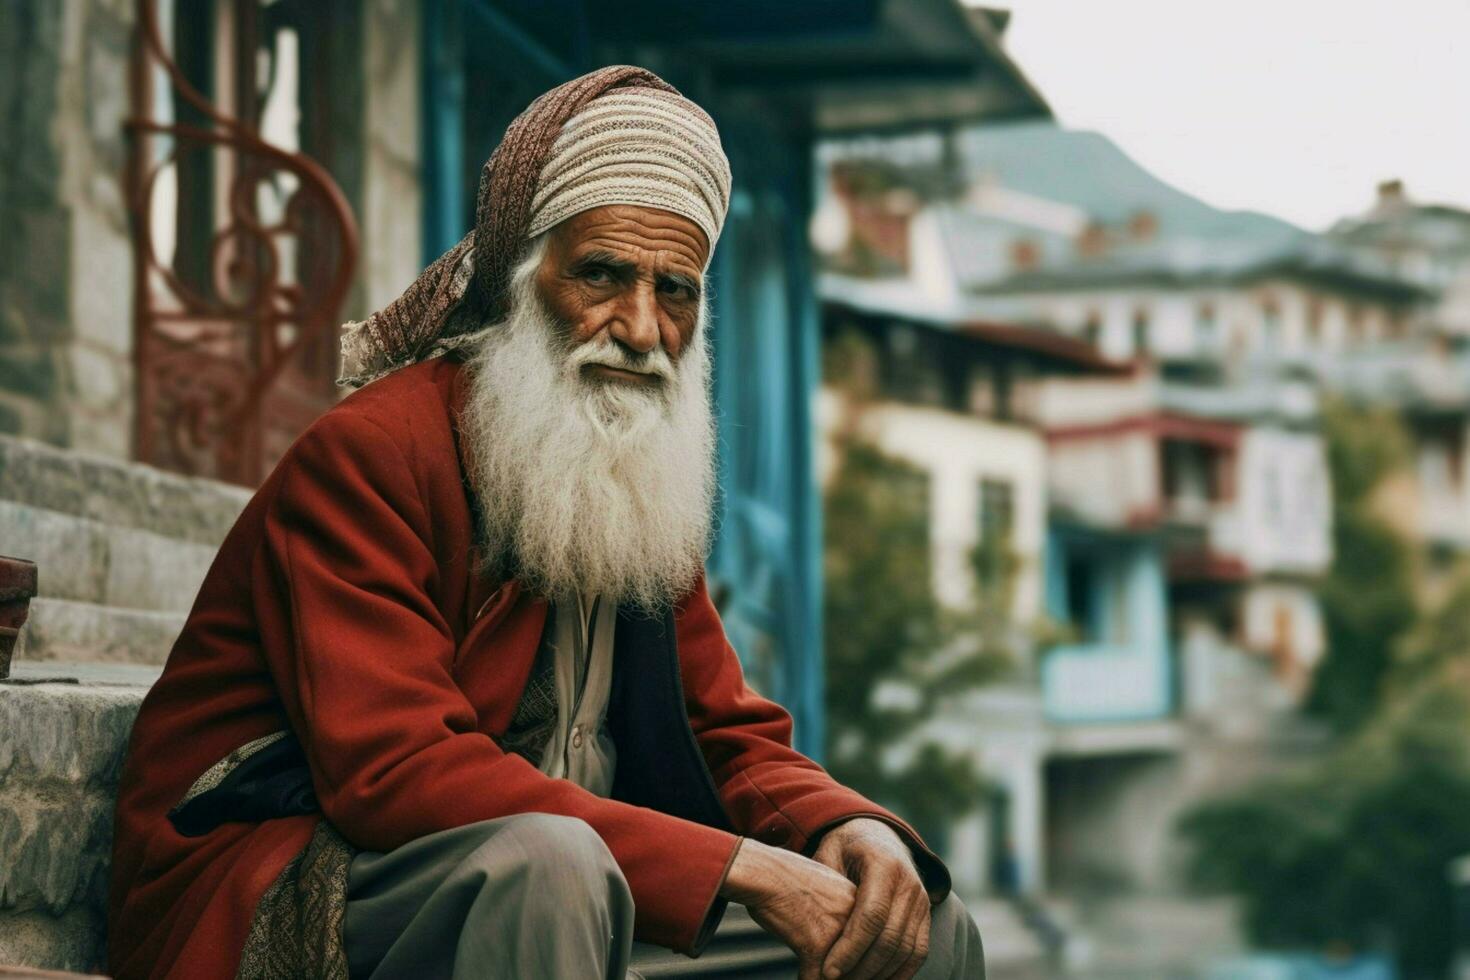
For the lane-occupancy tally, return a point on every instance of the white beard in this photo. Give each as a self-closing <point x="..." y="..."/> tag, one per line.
<point x="598" y="487"/>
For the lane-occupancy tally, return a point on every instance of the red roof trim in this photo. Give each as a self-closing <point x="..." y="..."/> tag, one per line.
<point x="1161" y="425"/>
<point x="1205" y="567"/>
<point x="1048" y="342"/>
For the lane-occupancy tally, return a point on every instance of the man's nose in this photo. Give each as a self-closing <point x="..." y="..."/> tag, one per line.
<point x="636" y="325"/>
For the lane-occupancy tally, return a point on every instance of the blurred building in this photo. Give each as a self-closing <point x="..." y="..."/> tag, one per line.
<point x="1426" y="243"/>
<point x="958" y="404"/>
<point x="1426" y="375"/>
<point x="1188" y="505"/>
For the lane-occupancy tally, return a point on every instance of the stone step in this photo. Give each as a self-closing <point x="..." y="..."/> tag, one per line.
<point x="117" y="492"/>
<point x="1009" y="944"/>
<point x="63" y="732"/>
<point x="88" y="560"/>
<point x="85" y="632"/>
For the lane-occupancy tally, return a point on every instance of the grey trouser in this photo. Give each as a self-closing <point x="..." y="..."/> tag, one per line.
<point x="528" y="896"/>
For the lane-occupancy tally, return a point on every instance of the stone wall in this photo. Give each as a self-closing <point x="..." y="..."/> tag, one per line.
<point x="121" y="549"/>
<point x="65" y="265"/>
<point x="60" y="758"/>
<point x="390" y="218"/>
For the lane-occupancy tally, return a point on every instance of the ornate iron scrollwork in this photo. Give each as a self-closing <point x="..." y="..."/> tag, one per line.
<point x="235" y="341"/>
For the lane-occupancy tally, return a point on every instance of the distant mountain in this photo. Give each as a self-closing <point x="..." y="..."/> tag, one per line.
<point x="1089" y="171"/>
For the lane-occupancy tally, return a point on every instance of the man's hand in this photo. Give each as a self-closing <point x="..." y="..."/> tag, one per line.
<point x="805" y="904"/>
<point x="887" y="934"/>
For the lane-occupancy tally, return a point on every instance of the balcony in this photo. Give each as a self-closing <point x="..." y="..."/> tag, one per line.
<point x="1105" y="683"/>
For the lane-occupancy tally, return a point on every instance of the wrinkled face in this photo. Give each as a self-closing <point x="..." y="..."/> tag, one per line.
<point x="590" y="433"/>
<point x="629" y="276"/>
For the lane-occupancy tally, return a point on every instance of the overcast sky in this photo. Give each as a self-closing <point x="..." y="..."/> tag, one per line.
<point x="1293" y="107"/>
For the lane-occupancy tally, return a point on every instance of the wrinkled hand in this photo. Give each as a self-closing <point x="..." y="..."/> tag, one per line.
<point x="887" y="934"/>
<point x="803" y="903"/>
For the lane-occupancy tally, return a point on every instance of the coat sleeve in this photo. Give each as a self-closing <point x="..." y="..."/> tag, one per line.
<point x="361" y="656"/>
<point x="772" y="792"/>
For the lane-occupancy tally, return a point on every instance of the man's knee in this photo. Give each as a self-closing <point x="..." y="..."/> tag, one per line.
<point x="957" y="920"/>
<point x="955" y="947"/>
<point x="556" y="860"/>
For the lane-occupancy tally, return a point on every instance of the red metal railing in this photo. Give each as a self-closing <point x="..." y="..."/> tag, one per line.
<point x="234" y="341"/>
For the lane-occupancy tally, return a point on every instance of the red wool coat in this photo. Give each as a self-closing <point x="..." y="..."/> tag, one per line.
<point x="342" y="607"/>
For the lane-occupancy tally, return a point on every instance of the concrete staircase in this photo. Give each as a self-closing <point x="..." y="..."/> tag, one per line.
<point x="121" y="549"/>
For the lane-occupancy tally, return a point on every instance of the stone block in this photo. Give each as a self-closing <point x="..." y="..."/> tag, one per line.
<point x="102" y="300"/>
<point x="96" y="430"/>
<point x="11" y="420"/>
<point x="56" y="838"/>
<point x="98" y="377"/>
<point x="40" y="253"/>
<point x="74" y="940"/>
<point x="107" y="46"/>
<point x="33" y="151"/>
<point x="30" y="373"/>
<point x="71" y="552"/>
<point x="70" y="733"/>
<point x="149" y="571"/>
<point x="118" y="492"/>
<point x="88" y="561"/>
<point x="22" y="416"/>
<point x="62" y="630"/>
<point x="61" y="749"/>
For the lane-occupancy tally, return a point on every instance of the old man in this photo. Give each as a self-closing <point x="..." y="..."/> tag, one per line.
<point x="453" y="700"/>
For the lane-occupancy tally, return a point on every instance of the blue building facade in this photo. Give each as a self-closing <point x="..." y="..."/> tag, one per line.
<point x="1109" y="588"/>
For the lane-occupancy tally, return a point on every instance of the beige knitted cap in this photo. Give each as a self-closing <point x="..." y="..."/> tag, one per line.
<point x="641" y="146"/>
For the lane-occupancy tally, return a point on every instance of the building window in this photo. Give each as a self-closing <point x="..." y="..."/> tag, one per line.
<point x="954" y="377"/>
<point x="911" y="375"/>
<point x="982" y="390"/>
<point x="1025" y="255"/>
<point x="997" y="509"/>
<point x="1270" y="324"/>
<point x="1207" y="327"/>
<point x="1356" y="326"/>
<point x="1194" y="473"/>
<point x="1314" y="320"/>
<point x="1084" y="587"/>
<point x="997" y="522"/>
<point x="1140" y="333"/>
<point x="1275" y="499"/>
<point x="1092" y="328"/>
<point x="1003" y="411"/>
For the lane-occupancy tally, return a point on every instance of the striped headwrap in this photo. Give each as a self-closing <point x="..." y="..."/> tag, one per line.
<point x="618" y="135"/>
<point x="636" y="146"/>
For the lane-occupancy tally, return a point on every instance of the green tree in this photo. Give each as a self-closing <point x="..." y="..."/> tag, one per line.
<point x="1367" y="598"/>
<point x="892" y="653"/>
<point x="1355" y="849"/>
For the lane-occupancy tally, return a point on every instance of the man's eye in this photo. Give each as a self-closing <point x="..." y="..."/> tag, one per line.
<point x="678" y="290"/>
<point x="596" y="276"/>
